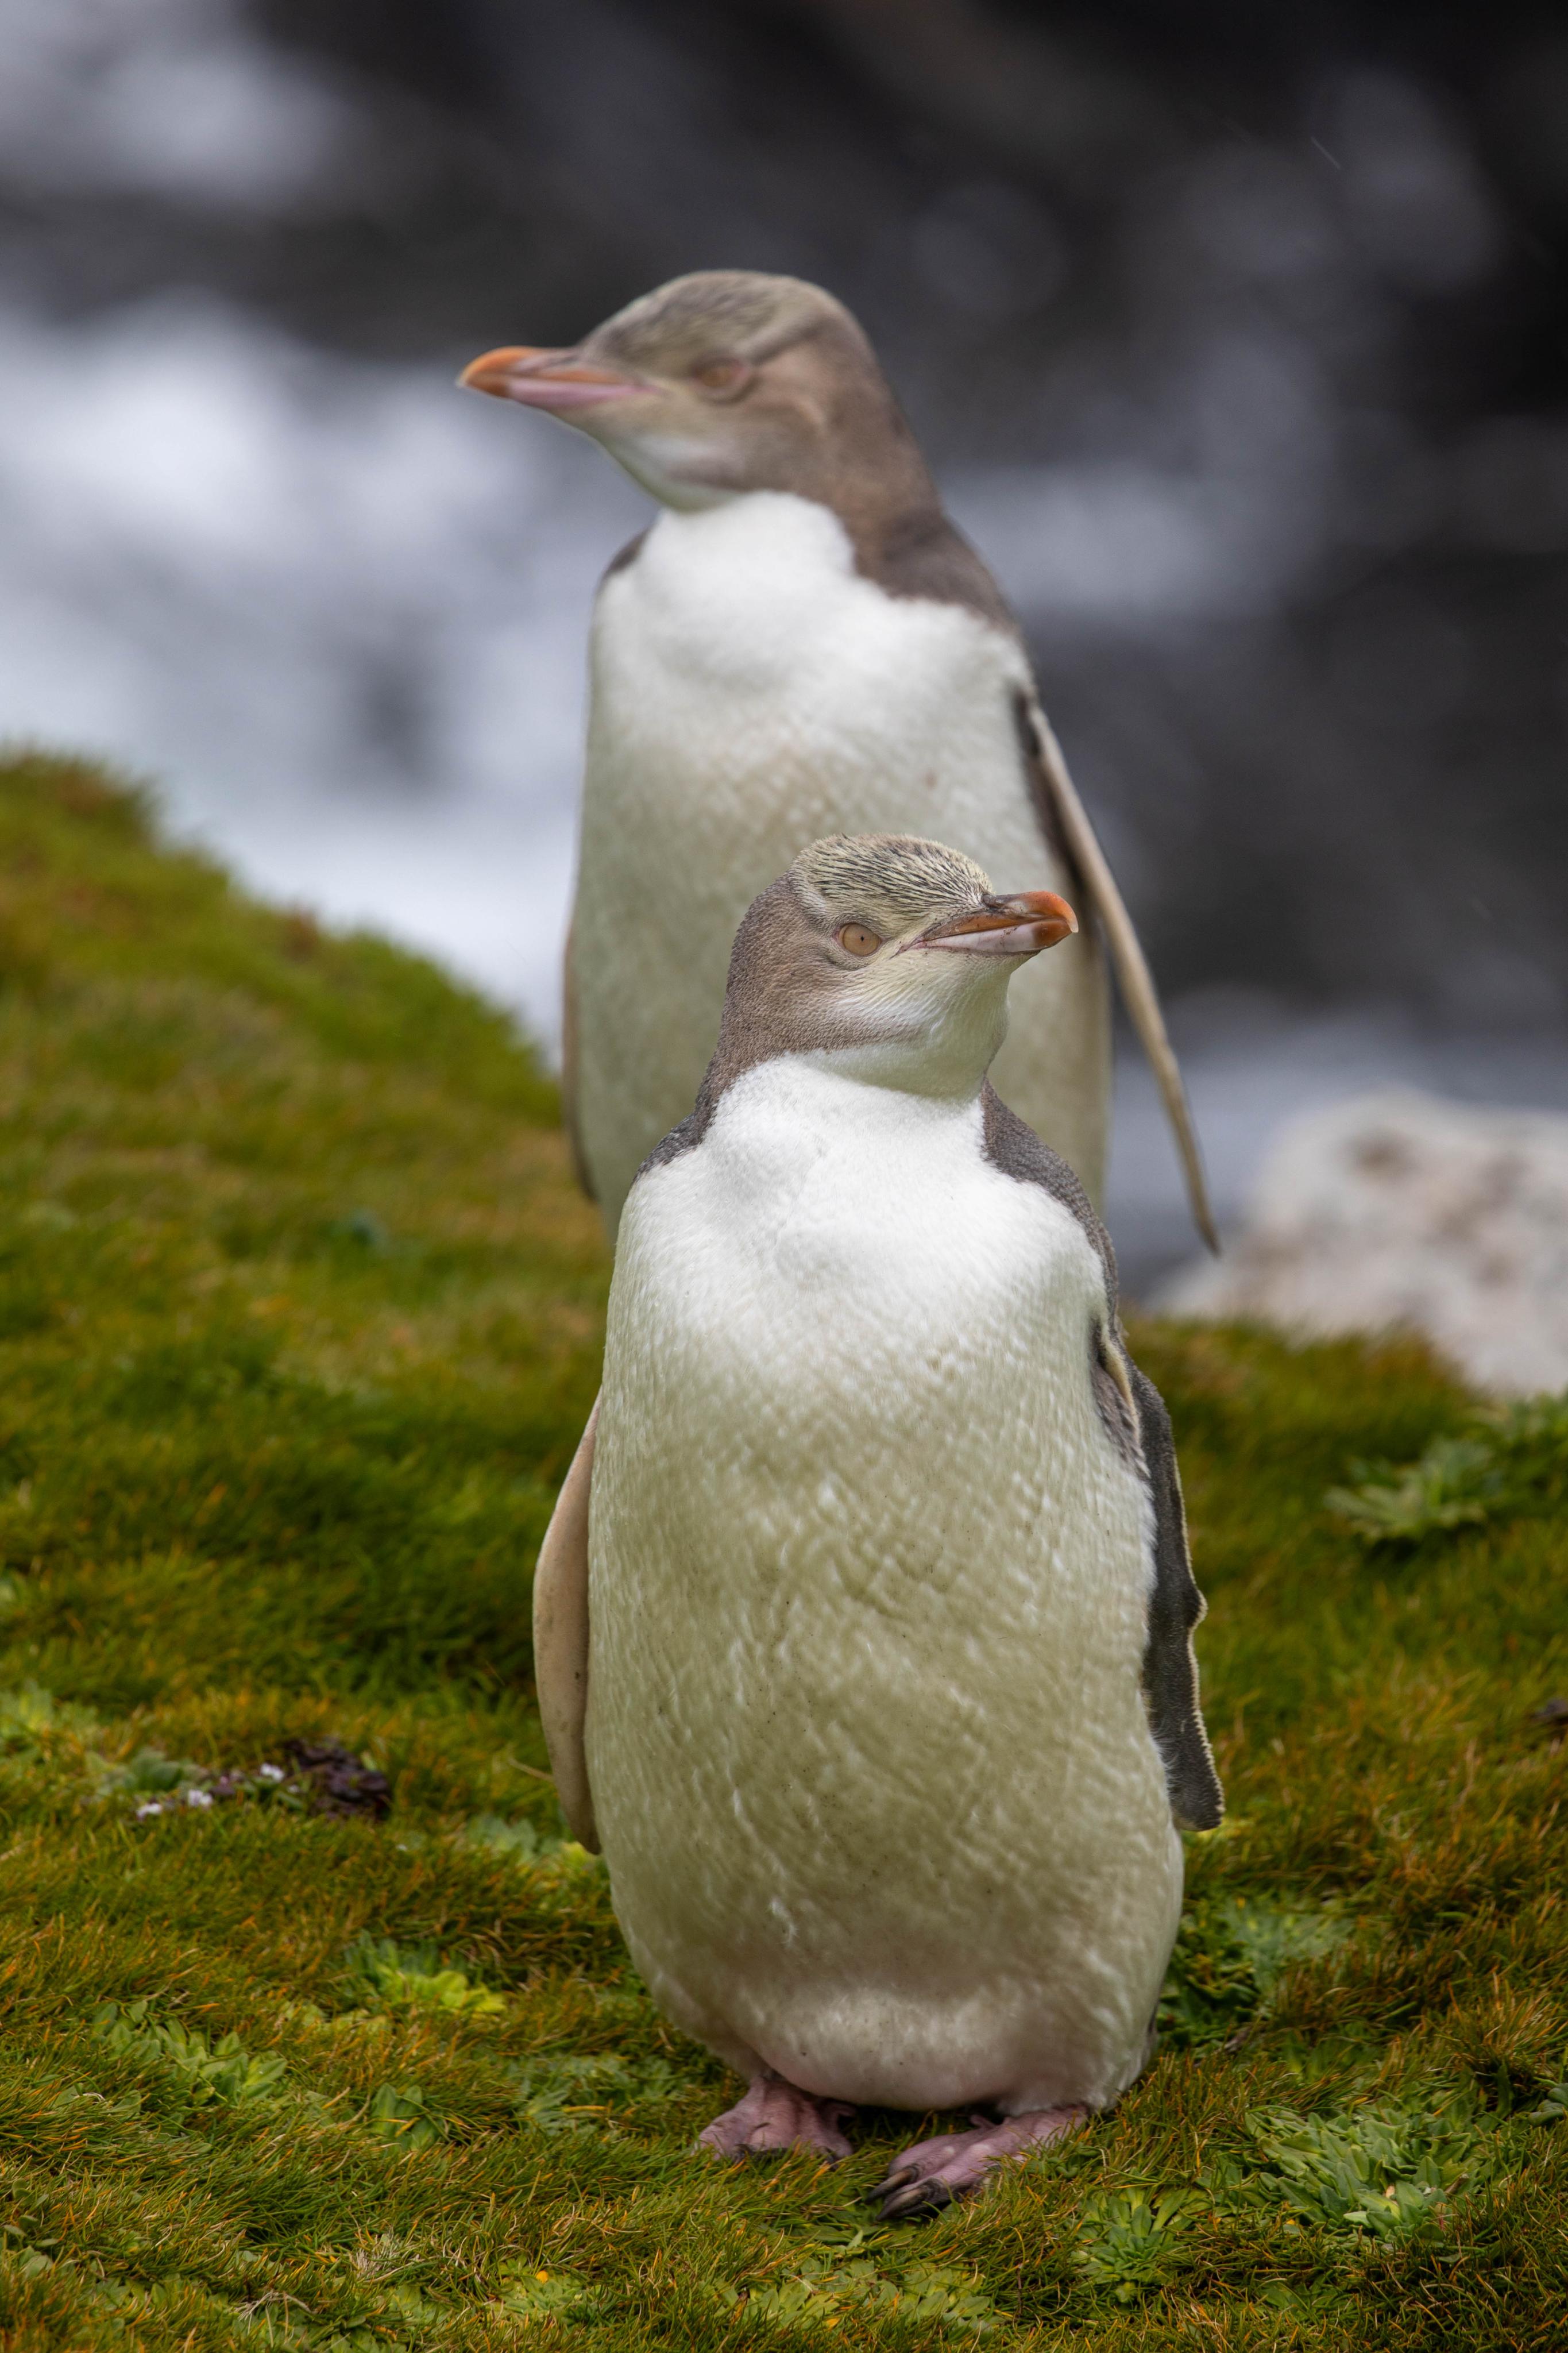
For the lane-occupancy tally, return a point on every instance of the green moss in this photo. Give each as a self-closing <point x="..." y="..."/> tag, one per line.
<point x="299" y="1321"/>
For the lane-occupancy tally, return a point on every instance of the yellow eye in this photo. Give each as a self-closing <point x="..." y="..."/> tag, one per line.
<point x="721" y="376"/>
<point x="858" y="940"/>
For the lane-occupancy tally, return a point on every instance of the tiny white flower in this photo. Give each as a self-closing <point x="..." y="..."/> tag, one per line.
<point x="271" y="1773"/>
<point x="152" y="1807"/>
<point x="198" y="1797"/>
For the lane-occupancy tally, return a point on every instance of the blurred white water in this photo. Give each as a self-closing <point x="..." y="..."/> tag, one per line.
<point x="338" y="611"/>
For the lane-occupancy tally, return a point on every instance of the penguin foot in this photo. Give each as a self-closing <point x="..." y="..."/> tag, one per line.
<point x="775" y="2115"/>
<point x="935" y="2172"/>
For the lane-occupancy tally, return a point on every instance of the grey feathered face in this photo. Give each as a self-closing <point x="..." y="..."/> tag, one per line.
<point x="891" y="951"/>
<point x="894" y="893"/>
<point x="889" y="884"/>
<point x="724" y="382"/>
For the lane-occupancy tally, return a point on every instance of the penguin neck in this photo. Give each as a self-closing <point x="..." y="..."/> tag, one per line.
<point x="866" y="467"/>
<point x="945" y="1060"/>
<point x="930" y="1029"/>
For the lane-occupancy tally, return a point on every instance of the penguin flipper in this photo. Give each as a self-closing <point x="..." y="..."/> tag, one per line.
<point x="1060" y="796"/>
<point x="1175" y="1605"/>
<point x="1138" y="1425"/>
<point x="568" y="1076"/>
<point x="561" y="1640"/>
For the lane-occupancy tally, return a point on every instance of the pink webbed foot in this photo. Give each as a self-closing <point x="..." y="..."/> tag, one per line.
<point x="935" y="2172"/>
<point x="775" y="2115"/>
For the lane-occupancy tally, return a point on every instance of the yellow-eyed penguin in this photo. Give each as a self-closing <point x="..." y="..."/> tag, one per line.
<point x="802" y="643"/>
<point x="862" y="1627"/>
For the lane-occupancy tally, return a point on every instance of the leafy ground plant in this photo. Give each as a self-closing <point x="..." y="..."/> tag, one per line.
<point x="1231" y="1953"/>
<point x="182" y="2056"/>
<point x="300" y="1321"/>
<point x="1130" y="2240"/>
<point x="1515" y="1460"/>
<point x="1383" y="2169"/>
<point x="412" y="1977"/>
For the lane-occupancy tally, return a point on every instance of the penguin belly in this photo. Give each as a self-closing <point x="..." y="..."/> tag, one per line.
<point x="868" y="1590"/>
<point x="750" y="692"/>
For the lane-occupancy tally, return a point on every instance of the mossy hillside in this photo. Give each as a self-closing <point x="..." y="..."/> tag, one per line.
<point x="299" y="1321"/>
<point x="290" y="1211"/>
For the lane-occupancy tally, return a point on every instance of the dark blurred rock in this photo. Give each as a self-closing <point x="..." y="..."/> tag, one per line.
<point x="344" y="1783"/>
<point x="1550" y="1719"/>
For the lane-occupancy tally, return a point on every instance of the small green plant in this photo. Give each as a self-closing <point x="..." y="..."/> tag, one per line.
<point x="410" y="1977"/>
<point x="148" y="1772"/>
<point x="1553" y="2107"/>
<point x="409" y="2304"/>
<point x="1229" y="1956"/>
<point x="818" y="2292"/>
<point x="403" y="2113"/>
<point x="562" y="2094"/>
<point x="1380" y="2171"/>
<point x="529" y="2294"/>
<point x="1514" y="1462"/>
<point x="1454" y="1484"/>
<point x="1129" y="2240"/>
<point x="200" y="2071"/>
<point x="29" y="1714"/>
<point x="520" y="1841"/>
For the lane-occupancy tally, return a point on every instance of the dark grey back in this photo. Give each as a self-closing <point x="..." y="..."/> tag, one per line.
<point x="920" y="553"/>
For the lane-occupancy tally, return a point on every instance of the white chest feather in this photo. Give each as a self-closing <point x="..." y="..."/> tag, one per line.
<point x="755" y="612"/>
<point x="750" y="693"/>
<point x="868" y="1585"/>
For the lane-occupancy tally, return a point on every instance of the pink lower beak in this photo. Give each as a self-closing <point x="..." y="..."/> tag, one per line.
<point x="544" y="379"/>
<point x="1020" y="926"/>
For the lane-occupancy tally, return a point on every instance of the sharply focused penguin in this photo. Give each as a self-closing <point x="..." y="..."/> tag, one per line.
<point x="802" y="643"/>
<point x="863" y="1624"/>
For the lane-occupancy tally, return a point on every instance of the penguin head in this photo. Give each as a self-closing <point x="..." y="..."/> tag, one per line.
<point x="887" y="955"/>
<point x="725" y="382"/>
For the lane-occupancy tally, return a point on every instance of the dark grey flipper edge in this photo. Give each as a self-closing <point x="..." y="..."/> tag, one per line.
<point x="684" y="1138"/>
<point x="624" y="556"/>
<point x="1047" y="817"/>
<point x="1175" y="1605"/>
<point x="1012" y="1145"/>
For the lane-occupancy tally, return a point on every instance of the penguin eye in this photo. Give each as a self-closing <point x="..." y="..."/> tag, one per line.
<point x="722" y="376"/>
<point x="857" y="940"/>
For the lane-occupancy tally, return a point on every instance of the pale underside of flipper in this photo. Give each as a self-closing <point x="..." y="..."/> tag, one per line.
<point x="560" y="1640"/>
<point x="568" y="1120"/>
<point x="1127" y="954"/>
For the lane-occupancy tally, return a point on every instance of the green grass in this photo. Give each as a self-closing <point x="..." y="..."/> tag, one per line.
<point x="298" y="1320"/>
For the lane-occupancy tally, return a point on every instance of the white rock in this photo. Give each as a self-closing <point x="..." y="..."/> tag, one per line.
<point x="1399" y="1211"/>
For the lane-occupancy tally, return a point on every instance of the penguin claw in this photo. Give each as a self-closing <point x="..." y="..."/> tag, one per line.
<point x="773" y="2115"/>
<point x="904" y="2197"/>
<point x="930" y="2175"/>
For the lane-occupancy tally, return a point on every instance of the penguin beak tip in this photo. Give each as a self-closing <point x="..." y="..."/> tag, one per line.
<point x="1021" y="925"/>
<point x="539" y="377"/>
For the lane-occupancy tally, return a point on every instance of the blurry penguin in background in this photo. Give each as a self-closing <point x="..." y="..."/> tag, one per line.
<point x="801" y="644"/>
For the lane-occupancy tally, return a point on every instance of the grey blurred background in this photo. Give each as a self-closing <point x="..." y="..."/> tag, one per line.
<point x="1237" y="335"/>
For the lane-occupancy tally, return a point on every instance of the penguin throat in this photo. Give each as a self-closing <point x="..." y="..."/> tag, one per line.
<point x="945" y="1060"/>
<point x="670" y="467"/>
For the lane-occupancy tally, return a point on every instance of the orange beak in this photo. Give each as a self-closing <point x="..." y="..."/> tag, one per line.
<point x="544" y="379"/>
<point x="1020" y="926"/>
